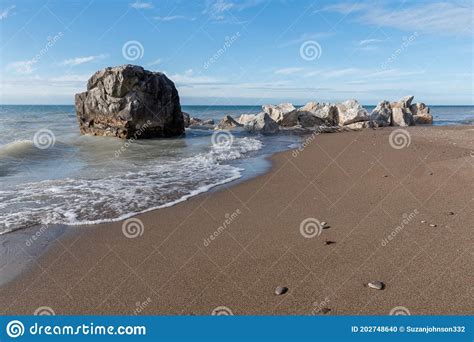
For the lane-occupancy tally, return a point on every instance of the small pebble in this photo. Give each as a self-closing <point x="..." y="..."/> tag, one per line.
<point x="423" y="221"/>
<point x="451" y="213"/>
<point x="431" y="173"/>
<point x="327" y="242"/>
<point x="433" y="225"/>
<point x="378" y="285"/>
<point x="325" y="310"/>
<point x="385" y="176"/>
<point x="324" y="225"/>
<point x="280" y="290"/>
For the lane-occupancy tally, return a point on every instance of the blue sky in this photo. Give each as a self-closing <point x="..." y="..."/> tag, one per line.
<point x="242" y="52"/>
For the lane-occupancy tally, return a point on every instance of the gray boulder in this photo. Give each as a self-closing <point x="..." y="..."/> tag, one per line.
<point x="129" y="102"/>
<point x="278" y="112"/>
<point x="307" y="120"/>
<point x="326" y="112"/>
<point x="290" y="119"/>
<point x="382" y="114"/>
<point x="402" y="117"/>
<point x="197" y="123"/>
<point x="351" y="111"/>
<point x="421" y="114"/>
<point x="228" y="122"/>
<point x="262" y="123"/>
<point x="404" y="102"/>
<point x="245" y="119"/>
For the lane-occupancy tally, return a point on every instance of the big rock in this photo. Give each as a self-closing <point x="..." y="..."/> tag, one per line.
<point x="278" y="112"/>
<point x="262" y="123"/>
<point x="382" y="114"/>
<point x="351" y="111"/>
<point x="228" y="122"/>
<point x="129" y="102"/>
<point x="327" y="113"/>
<point x="402" y="117"/>
<point x="404" y="102"/>
<point x="421" y="114"/>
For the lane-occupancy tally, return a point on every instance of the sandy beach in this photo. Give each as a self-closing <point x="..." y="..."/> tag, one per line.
<point x="399" y="216"/>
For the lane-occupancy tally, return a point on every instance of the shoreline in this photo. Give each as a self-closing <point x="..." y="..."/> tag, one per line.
<point x="169" y="264"/>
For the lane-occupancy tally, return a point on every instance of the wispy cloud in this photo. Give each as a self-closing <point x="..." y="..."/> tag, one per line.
<point x="189" y="78"/>
<point x="6" y="12"/>
<point x="217" y="9"/>
<point x="155" y="62"/>
<point x="81" y="60"/>
<point x="22" y="67"/>
<point x="141" y="5"/>
<point x="305" y="37"/>
<point x="447" y="18"/>
<point x="369" y="41"/>
<point x="288" y="71"/>
<point x="173" y="17"/>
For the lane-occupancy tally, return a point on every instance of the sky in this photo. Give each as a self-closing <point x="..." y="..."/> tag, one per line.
<point x="242" y="52"/>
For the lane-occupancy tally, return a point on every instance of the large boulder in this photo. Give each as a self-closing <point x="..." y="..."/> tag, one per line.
<point x="262" y="123"/>
<point x="307" y="120"/>
<point x="421" y="114"/>
<point x="278" y="112"/>
<point x="404" y="102"/>
<point x="351" y="111"/>
<point x="129" y="102"/>
<point x="402" y="117"/>
<point x="245" y="119"/>
<point x="382" y="114"/>
<point x="327" y="113"/>
<point x="228" y="122"/>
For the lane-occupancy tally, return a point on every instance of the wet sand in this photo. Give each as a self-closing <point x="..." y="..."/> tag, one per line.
<point x="372" y="196"/>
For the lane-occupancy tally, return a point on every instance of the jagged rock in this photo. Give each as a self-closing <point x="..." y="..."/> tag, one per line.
<point x="244" y="119"/>
<point x="326" y="112"/>
<point x="404" y="102"/>
<point x="421" y="114"/>
<point x="186" y="118"/>
<point x="128" y="101"/>
<point x="197" y="123"/>
<point x="278" y="112"/>
<point x="402" y="117"/>
<point x="382" y="114"/>
<point x="262" y="123"/>
<point x="306" y="120"/>
<point x="290" y="119"/>
<point x="351" y="111"/>
<point x="228" y="122"/>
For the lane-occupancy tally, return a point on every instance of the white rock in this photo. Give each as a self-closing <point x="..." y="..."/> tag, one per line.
<point x="351" y="111"/>
<point x="326" y="112"/>
<point x="262" y="123"/>
<point x="278" y="112"/>
<point x="402" y="117"/>
<point x="382" y="114"/>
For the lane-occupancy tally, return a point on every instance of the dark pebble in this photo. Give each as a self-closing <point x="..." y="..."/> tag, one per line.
<point x="280" y="290"/>
<point x="378" y="285"/>
<point x="329" y="242"/>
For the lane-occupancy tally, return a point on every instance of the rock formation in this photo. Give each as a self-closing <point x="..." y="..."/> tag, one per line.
<point x="129" y="102"/>
<point x="228" y="122"/>
<point x="351" y="111"/>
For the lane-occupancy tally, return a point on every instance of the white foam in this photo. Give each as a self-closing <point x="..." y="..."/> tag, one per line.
<point x="91" y="201"/>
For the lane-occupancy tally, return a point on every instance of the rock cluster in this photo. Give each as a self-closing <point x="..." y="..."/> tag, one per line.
<point x="327" y="117"/>
<point x="130" y="102"/>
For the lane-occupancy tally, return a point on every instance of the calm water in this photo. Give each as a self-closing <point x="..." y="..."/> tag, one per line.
<point x="66" y="178"/>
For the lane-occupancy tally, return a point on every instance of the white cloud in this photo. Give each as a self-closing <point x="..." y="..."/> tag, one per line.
<point x="189" y="78"/>
<point x="288" y="71"/>
<point x="155" y="62"/>
<point x="141" y="5"/>
<point x="22" y="67"/>
<point x="370" y="41"/>
<point x="173" y="17"/>
<point x="217" y="8"/>
<point x="81" y="60"/>
<point x="447" y="18"/>
<point x="6" y="12"/>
